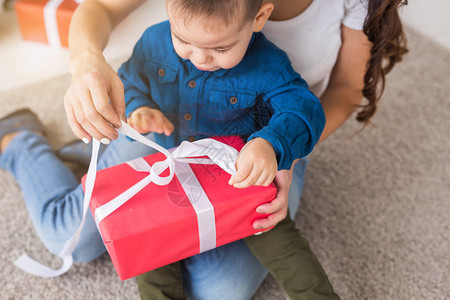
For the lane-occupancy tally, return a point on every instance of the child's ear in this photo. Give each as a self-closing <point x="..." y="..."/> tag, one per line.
<point x="262" y="16"/>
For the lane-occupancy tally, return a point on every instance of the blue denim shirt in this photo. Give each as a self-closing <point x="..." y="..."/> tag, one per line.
<point x="261" y="97"/>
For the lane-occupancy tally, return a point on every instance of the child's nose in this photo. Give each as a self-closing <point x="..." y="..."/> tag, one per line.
<point x="202" y="57"/>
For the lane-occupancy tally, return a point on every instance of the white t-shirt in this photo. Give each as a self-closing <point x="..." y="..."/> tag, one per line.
<point x="312" y="39"/>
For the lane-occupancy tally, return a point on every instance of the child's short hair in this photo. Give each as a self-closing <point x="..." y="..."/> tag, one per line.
<point x="227" y="11"/>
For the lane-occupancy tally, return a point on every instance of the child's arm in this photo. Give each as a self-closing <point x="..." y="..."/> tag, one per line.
<point x="256" y="164"/>
<point x="296" y="116"/>
<point x="146" y="119"/>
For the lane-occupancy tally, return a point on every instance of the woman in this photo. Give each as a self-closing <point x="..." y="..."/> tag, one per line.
<point x="337" y="46"/>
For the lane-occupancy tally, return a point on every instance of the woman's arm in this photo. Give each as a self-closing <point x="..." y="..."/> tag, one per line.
<point x="92" y="24"/>
<point x="340" y="99"/>
<point x="344" y="91"/>
<point x="95" y="96"/>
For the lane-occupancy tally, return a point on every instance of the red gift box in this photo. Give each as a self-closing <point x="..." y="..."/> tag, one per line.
<point x="159" y="225"/>
<point x="45" y="21"/>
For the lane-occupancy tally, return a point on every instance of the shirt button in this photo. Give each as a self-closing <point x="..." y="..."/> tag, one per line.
<point x="191" y="139"/>
<point x="192" y="84"/>
<point x="187" y="116"/>
<point x="161" y="72"/>
<point x="233" y="100"/>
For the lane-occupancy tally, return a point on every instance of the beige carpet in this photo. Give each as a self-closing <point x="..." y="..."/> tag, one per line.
<point x="376" y="206"/>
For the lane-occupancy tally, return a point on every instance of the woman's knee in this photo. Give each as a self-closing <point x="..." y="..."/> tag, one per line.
<point x="227" y="272"/>
<point x="58" y="228"/>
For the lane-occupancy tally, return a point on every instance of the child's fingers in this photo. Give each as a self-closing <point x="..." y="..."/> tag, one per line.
<point x="157" y="123"/>
<point x="132" y="123"/>
<point x="249" y="180"/>
<point x="269" y="179"/>
<point x="135" y="121"/>
<point x="263" y="177"/>
<point x="168" y="127"/>
<point x="150" y="122"/>
<point x="243" y="170"/>
<point x="144" y="121"/>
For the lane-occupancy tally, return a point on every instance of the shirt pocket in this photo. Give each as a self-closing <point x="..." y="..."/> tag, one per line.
<point x="163" y="84"/>
<point x="160" y="72"/>
<point x="231" y="100"/>
<point x="234" y="106"/>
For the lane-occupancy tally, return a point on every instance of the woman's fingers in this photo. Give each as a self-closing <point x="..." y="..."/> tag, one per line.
<point x="96" y="99"/>
<point x="86" y="125"/>
<point x="117" y="97"/>
<point x="271" y="220"/>
<point x="93" y="122"/>
<point x="279" y="203"/>
<point x="277" y="209"/>
<point x="73" y="123"/>
<point x="101" y="101"/>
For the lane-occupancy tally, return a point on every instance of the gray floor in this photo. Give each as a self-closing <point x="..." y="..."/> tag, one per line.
<point x="375" y="207"/>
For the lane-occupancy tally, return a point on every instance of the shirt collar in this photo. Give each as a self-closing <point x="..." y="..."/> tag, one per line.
<point x="219" y="73"/>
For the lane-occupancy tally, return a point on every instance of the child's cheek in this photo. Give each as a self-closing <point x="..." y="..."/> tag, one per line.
<point x="231" y="60"/>
<point x="181" y="51"/>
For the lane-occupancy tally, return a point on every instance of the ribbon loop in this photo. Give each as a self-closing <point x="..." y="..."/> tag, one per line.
<point x="221" y="154"/>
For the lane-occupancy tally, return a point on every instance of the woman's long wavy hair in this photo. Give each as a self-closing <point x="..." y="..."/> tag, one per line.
<point x="384" y="29"/>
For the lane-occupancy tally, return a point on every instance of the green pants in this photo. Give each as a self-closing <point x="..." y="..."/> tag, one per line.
<point x="281" y="250"/>
<point x="162" y="284"/>
<point x="291" y="262"/>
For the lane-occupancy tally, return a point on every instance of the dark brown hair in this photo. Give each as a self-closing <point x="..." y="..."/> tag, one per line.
<point x="384" y="29"/>
<point x="227" y="11"/>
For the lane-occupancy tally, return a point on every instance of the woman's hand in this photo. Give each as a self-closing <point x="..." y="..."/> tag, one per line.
<point x="94" y="102"/>
<point x="278" y="207"/>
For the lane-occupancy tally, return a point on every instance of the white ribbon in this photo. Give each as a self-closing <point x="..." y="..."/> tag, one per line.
<point x="51" y="23"/>
<point x="203" y="208"/>
<point x="193" y="190"/>
<point x="219" y="153"/>
<point x="33" y="267"/>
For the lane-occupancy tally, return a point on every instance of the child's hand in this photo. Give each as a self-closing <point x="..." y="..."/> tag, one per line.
<point x="146" y="119"/>
<point x="256" y="164"/>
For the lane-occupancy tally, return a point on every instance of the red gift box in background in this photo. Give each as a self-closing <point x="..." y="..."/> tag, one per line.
<point x="32" y="20"/>
<point x="158" y="225"/>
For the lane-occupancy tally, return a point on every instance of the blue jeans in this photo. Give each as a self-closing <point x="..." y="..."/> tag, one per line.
<point x="54" y="200"/>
